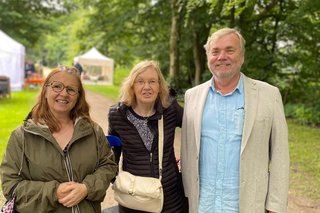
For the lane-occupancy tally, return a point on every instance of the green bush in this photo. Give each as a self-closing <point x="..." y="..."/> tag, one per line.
<point x="303" y="114"/>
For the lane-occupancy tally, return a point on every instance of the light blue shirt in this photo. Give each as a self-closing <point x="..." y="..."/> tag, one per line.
<point x="221" y="134"/>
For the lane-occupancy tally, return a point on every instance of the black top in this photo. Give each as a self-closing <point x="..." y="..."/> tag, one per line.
<point x="138" y="160"/>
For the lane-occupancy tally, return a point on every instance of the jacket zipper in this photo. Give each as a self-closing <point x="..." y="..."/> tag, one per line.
<point x="150" y="152"/>
<point x="151" y="164"/>
<point x="68" y="165"/>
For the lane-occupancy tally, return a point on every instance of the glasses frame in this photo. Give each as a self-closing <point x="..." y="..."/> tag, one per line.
<point x="151" y="83"/>
<point x="68" y="88"/>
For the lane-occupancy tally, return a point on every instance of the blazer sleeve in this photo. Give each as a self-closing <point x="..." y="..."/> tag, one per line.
<point x="279" y="160"/>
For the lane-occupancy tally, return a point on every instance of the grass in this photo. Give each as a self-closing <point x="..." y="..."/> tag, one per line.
<point x="108" y="91"/>
<point x="304" y="143"/>
<point x="111" y="92"/>
<point x="12" y="112"/>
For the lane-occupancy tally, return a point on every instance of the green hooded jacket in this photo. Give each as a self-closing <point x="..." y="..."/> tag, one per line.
<point x="35" y="164"/>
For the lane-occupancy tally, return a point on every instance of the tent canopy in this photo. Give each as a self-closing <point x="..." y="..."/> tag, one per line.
<point x="96" y="66"/>
<point x="12" y="55"/>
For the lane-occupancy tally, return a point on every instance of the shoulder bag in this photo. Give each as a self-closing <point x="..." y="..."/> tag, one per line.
<point x="9" y="206"/>
<point x="141" y="193"/>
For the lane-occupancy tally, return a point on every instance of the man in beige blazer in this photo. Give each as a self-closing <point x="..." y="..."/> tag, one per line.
<point x="263" y="156"/>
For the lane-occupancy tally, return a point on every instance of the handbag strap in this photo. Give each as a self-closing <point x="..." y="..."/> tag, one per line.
<point x="160" y="144"/>
<point x="160" y="148"/>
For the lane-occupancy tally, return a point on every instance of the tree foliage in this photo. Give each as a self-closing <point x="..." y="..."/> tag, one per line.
<point x="282" y="37"/>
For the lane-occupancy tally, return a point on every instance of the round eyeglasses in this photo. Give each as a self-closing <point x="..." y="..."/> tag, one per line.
<point x="58" y="86"/>
<point x="151" y="83"/>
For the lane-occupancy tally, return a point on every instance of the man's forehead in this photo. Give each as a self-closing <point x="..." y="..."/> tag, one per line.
<point x="225" y="41"/>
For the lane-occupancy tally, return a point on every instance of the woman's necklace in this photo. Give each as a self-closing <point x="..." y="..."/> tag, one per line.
<point x="146" y="116"/>
<point x="145" y="120"/>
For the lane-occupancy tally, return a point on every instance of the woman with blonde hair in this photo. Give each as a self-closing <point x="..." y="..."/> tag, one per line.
<point x="144" y="100"/>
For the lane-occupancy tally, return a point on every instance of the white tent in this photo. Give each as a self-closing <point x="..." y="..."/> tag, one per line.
<point x="97" y="67"/>
<point x="12" y="56"/>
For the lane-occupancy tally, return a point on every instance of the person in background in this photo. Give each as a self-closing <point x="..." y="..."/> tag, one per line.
<point x="58" y="160"/>
<point x="234" y="149"/>
<point x="144" y="99"/>
<point x="29" y="69"/>
<point x="79" y="68"/>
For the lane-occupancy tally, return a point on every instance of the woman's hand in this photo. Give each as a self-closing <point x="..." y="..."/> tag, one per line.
<point x="70" y="193"/>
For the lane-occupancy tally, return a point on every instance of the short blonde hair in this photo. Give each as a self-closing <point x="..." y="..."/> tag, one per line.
<point x="222" y="32"/>
<point x="127" y="95"/>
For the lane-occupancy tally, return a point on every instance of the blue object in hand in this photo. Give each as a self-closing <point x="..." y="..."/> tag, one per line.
<point x="114" y="140"/>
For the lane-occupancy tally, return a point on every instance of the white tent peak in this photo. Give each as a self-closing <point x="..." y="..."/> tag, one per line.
<point x="97" y="67"/>
<point x="93" y="53"/>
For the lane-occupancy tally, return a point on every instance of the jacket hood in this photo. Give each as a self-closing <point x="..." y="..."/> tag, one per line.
<point x="82" y="128"/>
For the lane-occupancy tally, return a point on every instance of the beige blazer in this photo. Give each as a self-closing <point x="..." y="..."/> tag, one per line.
<point x="264" y="163"/>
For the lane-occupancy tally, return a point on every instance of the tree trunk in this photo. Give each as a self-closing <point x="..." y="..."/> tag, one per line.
<point x="196" y="58"/>
<point x="174" y="42"/>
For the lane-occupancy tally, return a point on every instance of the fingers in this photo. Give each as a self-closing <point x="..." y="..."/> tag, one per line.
<point x="76" y="194"/>
<point x="63" y="189"/>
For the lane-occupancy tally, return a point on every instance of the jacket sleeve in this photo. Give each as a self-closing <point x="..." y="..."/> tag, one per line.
<point x="98" y="182"/>
<point x="27" y="191"/>
<point x="117" y="149"/>
<point x="179" y="110"/>
<point x="279" y="160"/>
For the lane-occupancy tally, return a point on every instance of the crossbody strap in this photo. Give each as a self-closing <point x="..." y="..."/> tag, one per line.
<point x="160" y="148"/>
<point x="160" y="143"/>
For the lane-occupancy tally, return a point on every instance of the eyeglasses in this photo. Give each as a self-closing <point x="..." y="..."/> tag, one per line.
<point x="58" y="86"/>
<point x="151" y="83"/>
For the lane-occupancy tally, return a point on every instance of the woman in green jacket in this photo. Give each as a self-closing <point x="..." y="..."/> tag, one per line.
<point x="58" y="160"/>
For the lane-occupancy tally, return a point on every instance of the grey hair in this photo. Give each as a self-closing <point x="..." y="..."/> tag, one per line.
<point x="222" y="32"/>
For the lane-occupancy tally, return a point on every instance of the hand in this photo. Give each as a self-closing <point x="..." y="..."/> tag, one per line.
<point x="270" y="211"/>
<point x="71" y="193"/>
<point x="178" y="161"/>
<point x="63" y="189"/>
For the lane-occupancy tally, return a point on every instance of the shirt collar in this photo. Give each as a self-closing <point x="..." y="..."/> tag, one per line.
<point x="239" y="88"/>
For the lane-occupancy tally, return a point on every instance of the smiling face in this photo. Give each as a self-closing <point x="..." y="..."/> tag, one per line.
<point x="146" y="87"/>
<point x="225" y="57"/>
<point x="61" y="103"/>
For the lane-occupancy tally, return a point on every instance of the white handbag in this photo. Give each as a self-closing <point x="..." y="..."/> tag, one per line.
<point x="141" y="193"/>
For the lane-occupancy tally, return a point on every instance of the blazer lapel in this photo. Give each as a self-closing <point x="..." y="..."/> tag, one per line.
<point x="202" y="93"/>
<point x="251" y="101"/>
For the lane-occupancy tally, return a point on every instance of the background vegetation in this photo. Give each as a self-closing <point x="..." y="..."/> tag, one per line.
<point x="283" y="38"/>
